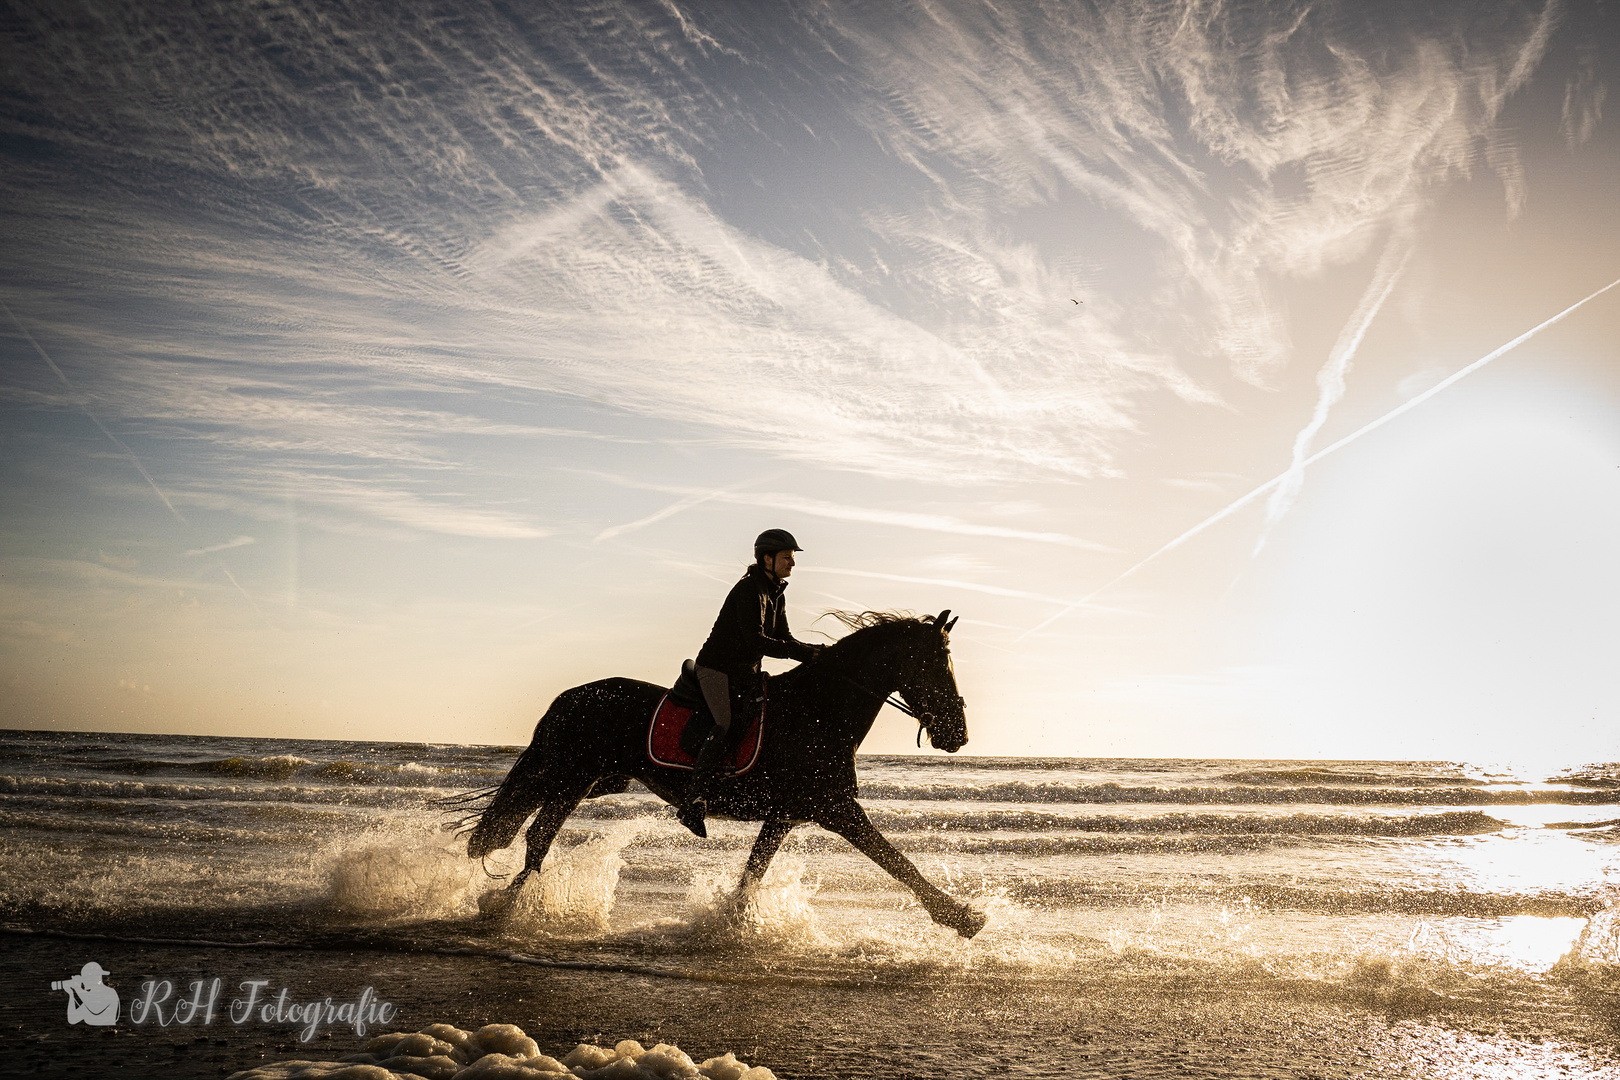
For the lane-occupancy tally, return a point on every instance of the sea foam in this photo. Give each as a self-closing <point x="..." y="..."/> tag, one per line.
<point x="503" y="1052"/>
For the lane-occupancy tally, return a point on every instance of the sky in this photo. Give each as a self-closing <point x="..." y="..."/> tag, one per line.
<point x="378" y="371"/>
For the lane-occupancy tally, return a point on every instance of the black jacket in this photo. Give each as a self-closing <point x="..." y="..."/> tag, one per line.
<point x="752" y="624"/>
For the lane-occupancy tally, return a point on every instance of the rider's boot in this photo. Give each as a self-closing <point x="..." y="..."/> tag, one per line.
<point x="696" y="804"/>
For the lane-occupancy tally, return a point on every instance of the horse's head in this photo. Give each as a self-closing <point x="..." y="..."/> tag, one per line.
<point x="929" y="685"/>
<point x="891" y="650"/>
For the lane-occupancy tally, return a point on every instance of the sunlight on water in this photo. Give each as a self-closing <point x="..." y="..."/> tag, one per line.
<point x="1598" y="946"/>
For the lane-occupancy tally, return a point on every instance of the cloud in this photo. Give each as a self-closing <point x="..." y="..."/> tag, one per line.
<point x="1240" y="142"/>
<point x="838" y="235"/>
<point x="799" y="504"/>
<point x="235" y="542"/>
<point x="965" y="586"/>
<point x="1330" y="380"/>
<point x="1584" y="95"/>
<point x="1278" y="481"/>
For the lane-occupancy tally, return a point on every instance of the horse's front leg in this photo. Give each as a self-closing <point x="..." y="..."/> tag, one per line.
<point x="769" y="841"/>
<point x="850" y="821"/>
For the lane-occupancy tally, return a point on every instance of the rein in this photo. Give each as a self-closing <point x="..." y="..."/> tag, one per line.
<point x="891" y="699"/>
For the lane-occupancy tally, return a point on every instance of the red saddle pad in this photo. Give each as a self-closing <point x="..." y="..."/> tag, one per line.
<point x="664" y="739"/>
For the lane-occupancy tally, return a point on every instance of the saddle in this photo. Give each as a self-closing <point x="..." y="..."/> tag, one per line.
<point x="681" y="724"/>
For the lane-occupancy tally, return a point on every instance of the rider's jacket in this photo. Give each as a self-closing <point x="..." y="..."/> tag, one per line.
<point x="752" y="624"/>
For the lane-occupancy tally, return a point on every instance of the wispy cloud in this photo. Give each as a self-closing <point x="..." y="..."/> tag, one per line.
<point x="799" y="504"/>
<point x="1277" y="481"/>
<point x="405" y="280"/>
<point x="963" y="586"/>
<point x="235" y="542"/>
<point x="94" y="419"/>
<point x="1240" y="141"/>
<point x="1330" y="380"/>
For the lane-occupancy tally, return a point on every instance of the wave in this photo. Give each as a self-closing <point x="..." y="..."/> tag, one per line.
<point x="977" y="844"/>
<point x="1321" y="775"/>
<point x="175" y="832"/>
<point x="1380" y="901"/>
<point x="1450" y="823"/>
<point x="1024" y="792"/>
<point x="146" y="789"/>
<point x="287" y="766"/>
<point x="1591" y="776"/>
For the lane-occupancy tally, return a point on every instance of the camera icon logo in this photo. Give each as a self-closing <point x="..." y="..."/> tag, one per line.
<point x="90" y="1001"/>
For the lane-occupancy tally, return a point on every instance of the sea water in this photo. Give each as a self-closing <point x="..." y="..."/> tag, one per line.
<point x="1482" y="884"/>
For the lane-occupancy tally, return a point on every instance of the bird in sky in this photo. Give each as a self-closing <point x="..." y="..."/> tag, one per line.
<point x="1072" y="300"/>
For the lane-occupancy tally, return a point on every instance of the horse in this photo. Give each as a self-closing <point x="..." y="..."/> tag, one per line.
<point x="593" y="740"/>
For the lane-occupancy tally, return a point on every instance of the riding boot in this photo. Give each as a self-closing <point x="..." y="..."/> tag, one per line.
<point x="695" y="807"/>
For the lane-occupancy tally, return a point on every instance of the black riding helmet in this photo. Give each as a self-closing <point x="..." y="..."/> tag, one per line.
<point x="771" y="541"/>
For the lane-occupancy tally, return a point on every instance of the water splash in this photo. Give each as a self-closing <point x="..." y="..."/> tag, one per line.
<point x="1597" y="949"/>
<point x="418" y="875"/>
<point x="775" y="915"/>
<point x="575" y="888"/>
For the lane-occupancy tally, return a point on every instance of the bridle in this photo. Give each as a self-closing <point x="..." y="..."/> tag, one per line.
<point x="894" y="700"/>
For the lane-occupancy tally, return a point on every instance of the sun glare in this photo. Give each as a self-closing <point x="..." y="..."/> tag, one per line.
<point x="1453" y="586"/>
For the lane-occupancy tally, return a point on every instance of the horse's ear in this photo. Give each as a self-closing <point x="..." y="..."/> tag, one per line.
<point x="951" y="624"/>
<point x="939" y="620"/>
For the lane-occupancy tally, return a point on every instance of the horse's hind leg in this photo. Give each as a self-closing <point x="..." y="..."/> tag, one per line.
<point x="554" y="810"/>
<point x="770" y="838"/>
<point x="525" y="787"/>
<point x="850" y="821"/>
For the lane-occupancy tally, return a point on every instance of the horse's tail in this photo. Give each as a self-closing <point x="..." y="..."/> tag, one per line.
<point x="519" y="795"/>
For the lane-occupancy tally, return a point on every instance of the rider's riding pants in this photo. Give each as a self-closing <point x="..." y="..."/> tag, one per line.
<point x="717" y="693"/>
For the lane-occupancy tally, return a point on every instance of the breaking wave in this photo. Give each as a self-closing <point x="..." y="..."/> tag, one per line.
<point x="1383" y="901"/>
<point x="1022" y="792"/>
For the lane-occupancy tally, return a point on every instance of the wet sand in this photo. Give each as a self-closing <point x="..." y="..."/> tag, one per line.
<point x="1180" y="1027"/>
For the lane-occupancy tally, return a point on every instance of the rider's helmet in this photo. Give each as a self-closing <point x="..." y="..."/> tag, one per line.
<point x="771" y="541"/>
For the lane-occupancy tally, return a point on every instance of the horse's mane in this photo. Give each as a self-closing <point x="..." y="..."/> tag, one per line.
<point x="859" y="621"/>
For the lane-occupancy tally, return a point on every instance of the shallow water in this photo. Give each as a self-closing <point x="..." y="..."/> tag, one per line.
<point x="1387" y="883"/>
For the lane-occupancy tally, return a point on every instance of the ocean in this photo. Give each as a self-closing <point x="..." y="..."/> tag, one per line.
<point x="1419" y="918"/>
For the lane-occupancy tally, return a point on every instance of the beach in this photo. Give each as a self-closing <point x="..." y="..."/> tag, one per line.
<point x="1147" y="919"/>
<point x="1177" y="1028"/>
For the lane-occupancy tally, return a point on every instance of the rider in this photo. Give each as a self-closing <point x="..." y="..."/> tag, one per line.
<point x="752" y="624"/>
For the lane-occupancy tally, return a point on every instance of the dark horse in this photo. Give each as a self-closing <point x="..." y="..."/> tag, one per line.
<point x="593" y="741"/>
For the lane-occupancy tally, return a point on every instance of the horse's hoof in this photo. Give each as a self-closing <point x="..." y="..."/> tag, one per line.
<point x="495" y="903"/>
<point x="969" y="922"/>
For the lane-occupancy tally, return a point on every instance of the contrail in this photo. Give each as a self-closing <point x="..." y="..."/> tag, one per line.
<point x="968" y="586"/>
<point x="240" y="541"/>
<point x="692" y="498"/>
<point x="1331" y="379"/>
<point x="1405" y="406"/>
<point x="798" y="504"/>
<point x="43" y="355"/>
<point x="658" y="515"/>
<point x="243" y="591"/>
